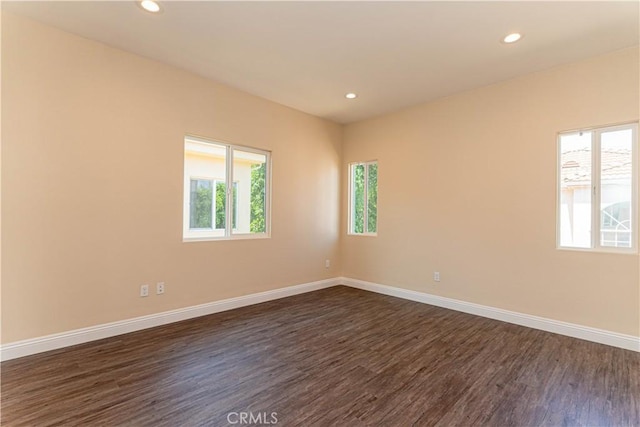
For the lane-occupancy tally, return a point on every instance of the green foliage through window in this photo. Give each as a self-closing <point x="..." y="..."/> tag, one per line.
<point x="364" y="202"/>
<point x="372" y="198"/>
<point x="258" y="192"/>
<point x="358" y="208"/>
<point x="221" y="204"/>
<point x="201" y="203"/>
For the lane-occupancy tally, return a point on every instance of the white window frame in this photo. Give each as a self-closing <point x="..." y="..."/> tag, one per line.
<point x="595" y="189"/>
<point x="365" y="225"/>
<point x="229" y="232"/>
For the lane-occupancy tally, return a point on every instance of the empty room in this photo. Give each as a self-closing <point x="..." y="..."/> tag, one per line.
<point x="331" y="213"/>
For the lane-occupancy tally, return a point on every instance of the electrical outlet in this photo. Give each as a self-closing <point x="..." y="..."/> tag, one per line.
<point x="436" y="276"/>
<point x="144" y="290"/>
<point x="327" y="263"/>
<point x="160" y="288"/>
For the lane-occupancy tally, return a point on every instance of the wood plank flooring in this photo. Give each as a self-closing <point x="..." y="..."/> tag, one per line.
<point x="335" y="357"/>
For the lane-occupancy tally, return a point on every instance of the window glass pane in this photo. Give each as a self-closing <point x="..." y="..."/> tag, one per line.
<point x="204" y="165"/>
<point x="201" y="203"/>
<point x="372" y="198"/>
<point x="616" y="188"/>
<point x="357" y="220"/>
<point x="235" y="206"/>
<point x="575" y="190"/>
<point x="250" y="190"/>
<point x="221" y="204"/>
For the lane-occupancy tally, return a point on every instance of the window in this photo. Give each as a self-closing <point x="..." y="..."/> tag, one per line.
<point x="363" y="198"/>
<point x="209" y="200"/>
<point x="597" y="189"/>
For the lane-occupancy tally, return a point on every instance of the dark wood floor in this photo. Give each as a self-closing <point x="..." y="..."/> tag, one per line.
<point x="336" y="357"/>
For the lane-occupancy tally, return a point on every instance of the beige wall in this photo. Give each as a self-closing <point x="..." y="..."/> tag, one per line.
<point x="92" y="190"/>
<point x="467" y="188"/>
<point x="92" y="186"/>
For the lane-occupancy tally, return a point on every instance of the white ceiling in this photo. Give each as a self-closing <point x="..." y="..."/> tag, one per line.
<point x="307" y="55"/>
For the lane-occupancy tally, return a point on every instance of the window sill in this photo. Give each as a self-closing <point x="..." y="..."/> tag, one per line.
<point x="232" y="237"/>
<point x="363" y="234"/>
<point x="613" y="251"/>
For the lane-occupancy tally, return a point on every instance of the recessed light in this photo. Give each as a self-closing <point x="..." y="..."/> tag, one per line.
<point x="351" y="95"/>
<point x="150" y="6"/>
<point x="512" y="38"/>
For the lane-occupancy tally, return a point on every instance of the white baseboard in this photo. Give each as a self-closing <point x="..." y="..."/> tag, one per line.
<point x="614" y="339"/>
<point x="79" y="336"/>
<point x="52" y="342"/>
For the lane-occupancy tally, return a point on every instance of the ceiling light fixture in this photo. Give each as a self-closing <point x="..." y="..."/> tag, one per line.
<point x="150" y="6"/>
<point x="512" y="38"/>
<point x="351" y="95"/>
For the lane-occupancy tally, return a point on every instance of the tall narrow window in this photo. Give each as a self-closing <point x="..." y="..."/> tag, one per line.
<point x="225" y="181"/>
<point x="597" y="189"/>
<point x="363" y="198"/>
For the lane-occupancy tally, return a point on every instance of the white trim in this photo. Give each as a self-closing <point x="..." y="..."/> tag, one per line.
<point x="79" y="336"/>
<point x="601" y="336"/>
<point x="228" y="193"/>
<point x="65" y="339"/>
<point x="243" y="236"/>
